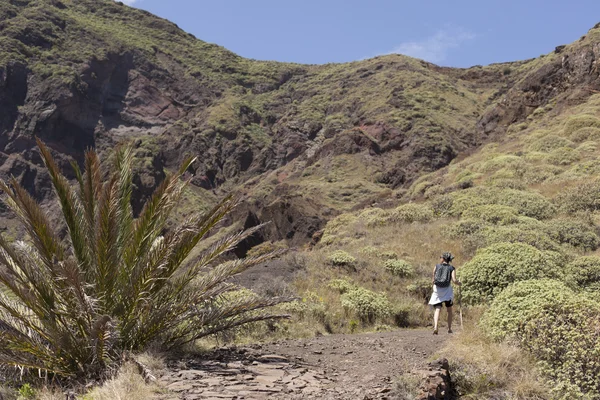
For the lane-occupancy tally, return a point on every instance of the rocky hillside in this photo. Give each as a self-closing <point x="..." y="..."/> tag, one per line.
<point x="301" y="143"/>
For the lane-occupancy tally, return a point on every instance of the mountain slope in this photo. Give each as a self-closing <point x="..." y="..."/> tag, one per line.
<point x="97" y="73"/>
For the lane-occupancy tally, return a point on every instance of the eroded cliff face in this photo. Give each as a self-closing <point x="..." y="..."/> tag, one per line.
<point x="298" y="143"/>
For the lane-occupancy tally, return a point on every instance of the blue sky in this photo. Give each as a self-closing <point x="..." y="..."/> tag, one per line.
<point x="458" y="33"/>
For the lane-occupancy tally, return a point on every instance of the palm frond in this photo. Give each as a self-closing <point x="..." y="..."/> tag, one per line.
<point x="117" y="283"/>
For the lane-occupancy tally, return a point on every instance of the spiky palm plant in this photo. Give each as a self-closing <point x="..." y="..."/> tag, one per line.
<point x="117" y="283"/>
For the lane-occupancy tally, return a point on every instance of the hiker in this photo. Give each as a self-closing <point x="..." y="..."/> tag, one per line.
<point x="443" y="275"/>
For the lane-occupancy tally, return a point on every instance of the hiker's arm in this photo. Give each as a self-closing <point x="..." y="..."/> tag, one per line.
<point x="456" y="281"/>
<point x="433" y="275"/>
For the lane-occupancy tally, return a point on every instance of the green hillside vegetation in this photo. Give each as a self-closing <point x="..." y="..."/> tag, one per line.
<point x="522" y="216"/>
<point x="519" y="207"/>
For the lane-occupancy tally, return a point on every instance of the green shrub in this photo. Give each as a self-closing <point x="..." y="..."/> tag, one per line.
<point x="519" y="303"/>
<point x="587" y="147"/>
<point x="584" y="273"/>
<point x="433" y="192"/>
<point x="556" y="325"/>
<point x="583" y="197"/>
<point x="526" y="203"/>
<point x="506" y="183"/>
<point x="549" y="143"/>
<point x="493" y="213"/>
<point x="421" y="289"/>
<point x="541" y="173"/>
<point x="399" y="268"/>
<point x="401" y="315"/>
<point x="530" y="204"/>
<point x="563" y="156"/>
<point x="374" y="216"/>
<point x="514" y="234"/>
<point x="583" y="134"/>
<point x="341" y="285"/>
<point x="586" y="168"/>
<point x="340" y="258"/>
<point x="337" y="227"/>
<point x="576" y="233"/>
<point x="565" y="338"/>
<point x="370" y="251"/>
<point x="367" y="304"/>
<point x="463" y="228"/>
<point x="495" y="267"/>
<point x="578" y="122"/>
<point x="511" y="162"/>
<point x="26" y="392"/>
<point x="412" y="212"/>
<point x="442" y="205"/>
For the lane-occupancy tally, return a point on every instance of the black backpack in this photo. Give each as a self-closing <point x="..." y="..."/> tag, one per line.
<point x="443" y="275"/>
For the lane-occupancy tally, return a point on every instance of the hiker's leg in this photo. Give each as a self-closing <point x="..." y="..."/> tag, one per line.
<point x="436" y="317"/>
<point x="449" y="317"/>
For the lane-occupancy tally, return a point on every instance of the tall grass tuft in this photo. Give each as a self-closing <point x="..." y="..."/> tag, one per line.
<point x="72" y="308"/>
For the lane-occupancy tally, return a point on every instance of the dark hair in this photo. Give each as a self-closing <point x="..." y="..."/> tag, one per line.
<point x="447" y="256"/>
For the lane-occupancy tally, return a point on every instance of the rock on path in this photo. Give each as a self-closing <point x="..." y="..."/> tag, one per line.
<point x="328" y="367"/>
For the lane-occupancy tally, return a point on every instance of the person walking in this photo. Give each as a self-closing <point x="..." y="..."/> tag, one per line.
<point x="444" y="274"/>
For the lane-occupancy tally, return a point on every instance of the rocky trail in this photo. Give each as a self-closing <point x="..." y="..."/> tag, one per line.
<point x="362" y="366"/>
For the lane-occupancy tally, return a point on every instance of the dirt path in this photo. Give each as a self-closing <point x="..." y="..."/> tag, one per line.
<point x="360" y="367"/>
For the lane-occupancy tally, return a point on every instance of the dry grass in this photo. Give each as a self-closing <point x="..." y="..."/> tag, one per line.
<point x="485" y="369"/>
<point x="127" y="385"/>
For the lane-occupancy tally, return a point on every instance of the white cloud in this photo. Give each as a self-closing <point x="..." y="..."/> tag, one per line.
<point x="435" y="48"/>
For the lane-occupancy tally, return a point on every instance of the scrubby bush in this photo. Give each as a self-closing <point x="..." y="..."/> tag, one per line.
<point x="374" y="216"/>
<point x="433" y="191"/>
<point x="541" y="173"/>
<point x="493" y="213"/>
<point x="442" y="205"/>
<point x="577" y="122"/>
<point x="401" y="315"/>
<point x="421" y="289"/>
<point x="514" y="234"/>
<point x="583" y="134"/>
<point x="337" y="227"/>
<point x="583" y="197"/>
<point x="506" y="183"/>
<point x="370" y="250"/>
<point x="563" y="156"/>
<point x="463" y="228"/>
<point x="587" y="147"/>
<point x="266" y="247"/>
<point x="399" y="268"/>
<point x="526" y="203"/>
<point x="553" y="323"/>
<point x="512" y="162"/>
<point x="519" y="303"/>
<point x="367" y="305"/>
<point x="574" y="232"/>
<point x="340" y="258"/>
<point x="341" y="285"/>
<point x="530" y="204"/>
<point x="549" y="143"/>
<point x="565" y="338"/>
<point x="495" y="267"/>
<point x="584" y="273"/>
<point x="412" y="212"/>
